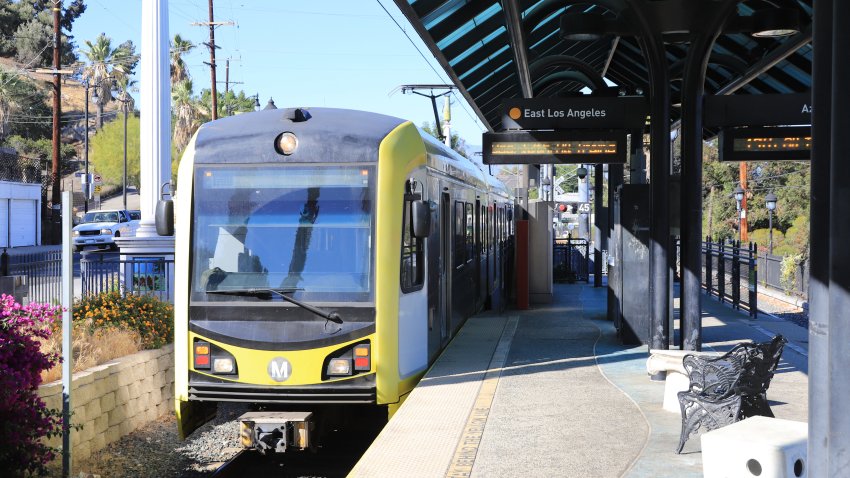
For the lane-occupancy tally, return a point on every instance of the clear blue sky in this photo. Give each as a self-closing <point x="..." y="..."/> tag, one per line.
<point x="335" y="53"/>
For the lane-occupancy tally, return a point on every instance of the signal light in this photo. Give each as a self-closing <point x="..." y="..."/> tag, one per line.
<point x="202" y="355"/>
<point x="562" y="207"/>
<point x="361" y="363"/>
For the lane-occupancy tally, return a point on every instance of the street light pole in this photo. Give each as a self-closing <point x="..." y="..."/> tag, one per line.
<point x="86" y="149"/>
<point x="739" y="197"/>
<point x="770" y="202"/>
<point x="124" y="181"/>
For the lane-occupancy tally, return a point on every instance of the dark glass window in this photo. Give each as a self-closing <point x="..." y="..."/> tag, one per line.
<point x="470" y="233"/>
<point x="412" y="253"/>
<point x="460" y="234"/>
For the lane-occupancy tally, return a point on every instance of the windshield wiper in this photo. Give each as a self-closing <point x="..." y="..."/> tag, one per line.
<point x="266" y="294"/>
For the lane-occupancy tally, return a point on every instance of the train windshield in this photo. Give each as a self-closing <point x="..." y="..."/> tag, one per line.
<point x="303" y="229"/>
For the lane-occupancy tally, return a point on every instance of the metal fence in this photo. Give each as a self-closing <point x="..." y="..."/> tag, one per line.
<point x="770" y="274"/>
<point x="730" y="273"/>
<point x="40" y="274"/>
<point x="571" y="261"/>
<point x="94" y="273"/>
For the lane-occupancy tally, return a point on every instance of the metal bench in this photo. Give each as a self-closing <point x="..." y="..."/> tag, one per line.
<point x="729" y="388"/>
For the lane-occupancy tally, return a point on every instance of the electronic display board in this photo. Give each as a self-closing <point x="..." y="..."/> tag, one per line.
<point x="766" y="144"/>
<point x="554" y="147"/>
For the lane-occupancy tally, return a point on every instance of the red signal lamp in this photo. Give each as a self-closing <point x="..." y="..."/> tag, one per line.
<point x="562" y="207"/>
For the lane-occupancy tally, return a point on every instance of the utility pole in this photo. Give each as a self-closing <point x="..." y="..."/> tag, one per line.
<point x="57" y="112"/>
<point x="211" y="45"/>
<point x="742" y="176"/>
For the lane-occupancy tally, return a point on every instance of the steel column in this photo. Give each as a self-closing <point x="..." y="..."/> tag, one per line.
<point x="712" y="17"/>
<point x="838" y="336"/>
<point x="819" y="398"/>
<point x="597" y="225"/>
<point x="652" y="45"/>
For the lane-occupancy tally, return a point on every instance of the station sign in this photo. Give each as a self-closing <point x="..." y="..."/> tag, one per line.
<point x="554" y="147"/>
<point x="766" y="143"/>
<point x="622" y="112"/>
<point x="757" y="110"/>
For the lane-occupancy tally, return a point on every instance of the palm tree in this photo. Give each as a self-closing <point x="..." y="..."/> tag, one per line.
<point x="106" y="65"/>
<point x="186" y="114"/>
<point x="179" y="46"/>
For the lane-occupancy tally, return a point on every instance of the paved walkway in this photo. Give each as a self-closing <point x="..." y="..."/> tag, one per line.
<point x="550" y="392"/>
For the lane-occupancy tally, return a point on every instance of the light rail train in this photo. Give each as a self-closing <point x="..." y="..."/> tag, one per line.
<point x="324" y="258"/>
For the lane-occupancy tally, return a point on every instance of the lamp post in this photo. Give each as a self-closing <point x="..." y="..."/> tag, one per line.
<point x="125" y="100"/>
<point x="770" y="202"/>
<point x="739" y="196"/>
<point x="86" y="147"/>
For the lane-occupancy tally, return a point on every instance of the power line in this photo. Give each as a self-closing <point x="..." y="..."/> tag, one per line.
<point x="461" y="101"/>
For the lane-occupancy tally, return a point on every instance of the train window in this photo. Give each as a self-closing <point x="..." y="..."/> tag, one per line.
<point x="470" y="233"/>
<point x="412" y="253"/>
<point x="460" y="234"/>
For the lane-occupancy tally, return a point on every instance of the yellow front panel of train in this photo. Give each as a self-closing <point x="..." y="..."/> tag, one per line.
<point x="256" y="367"/>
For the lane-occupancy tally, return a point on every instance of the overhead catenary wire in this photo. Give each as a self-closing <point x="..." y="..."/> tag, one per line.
<point x="460" y="100"/>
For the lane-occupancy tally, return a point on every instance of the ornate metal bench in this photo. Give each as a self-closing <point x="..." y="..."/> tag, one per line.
<point x="729" y="388"/>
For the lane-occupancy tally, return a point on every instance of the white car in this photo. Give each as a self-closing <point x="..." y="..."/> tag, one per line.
<point x="99" y="228"/>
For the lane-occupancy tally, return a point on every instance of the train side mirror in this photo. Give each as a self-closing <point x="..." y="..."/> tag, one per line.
<point x="421" y="215"/>
<point x="164" y="215"/>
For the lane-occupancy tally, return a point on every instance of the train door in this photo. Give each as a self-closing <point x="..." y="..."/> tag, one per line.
<point x="446" y="237"/>
<point x="478" y="254"/>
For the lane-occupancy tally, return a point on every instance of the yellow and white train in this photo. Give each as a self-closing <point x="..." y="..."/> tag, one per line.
<point x="325" y="257"/>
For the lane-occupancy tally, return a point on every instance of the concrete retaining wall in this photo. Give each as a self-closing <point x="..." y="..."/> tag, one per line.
<point x="115" y="399"/>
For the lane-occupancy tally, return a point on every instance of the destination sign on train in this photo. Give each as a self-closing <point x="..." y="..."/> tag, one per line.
<point x="625" y="112"/>
<point x="544" y="147"/>
<point x="766" y="144"/>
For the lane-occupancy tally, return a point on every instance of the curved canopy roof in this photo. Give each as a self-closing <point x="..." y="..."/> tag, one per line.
<point x="495" y="50"/>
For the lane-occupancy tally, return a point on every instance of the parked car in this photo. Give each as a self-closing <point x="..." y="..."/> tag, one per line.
<point x="98" y="229"/>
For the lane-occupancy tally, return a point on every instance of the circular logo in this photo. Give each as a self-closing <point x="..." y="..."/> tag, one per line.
<point x="515" y="113"/>
<point x="279" y="369"/>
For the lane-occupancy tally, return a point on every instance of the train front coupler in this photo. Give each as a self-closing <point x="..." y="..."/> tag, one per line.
<point x="275" y="431"/>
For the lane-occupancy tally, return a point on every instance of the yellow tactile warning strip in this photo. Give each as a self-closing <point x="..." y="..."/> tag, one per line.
<point x="467" y="447"/>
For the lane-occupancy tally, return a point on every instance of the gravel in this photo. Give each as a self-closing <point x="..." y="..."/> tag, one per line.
<point x="155" y="451"/>
<point x="784" y="310"/>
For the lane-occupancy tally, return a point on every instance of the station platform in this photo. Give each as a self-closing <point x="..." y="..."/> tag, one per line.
<point x="549" y="392"/>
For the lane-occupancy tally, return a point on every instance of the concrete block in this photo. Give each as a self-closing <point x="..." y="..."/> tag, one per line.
<point x="113" y="433"/>
<point x="101" y="423"/>
<point x="122" y="395"/>
<point x="107" y="402"/>
<point x="757" y="446"/>
<point x="147" y="384"/>
<point x="132" y="407"/>
<point x="82" y="395"/>
<point x="155" y="397"/>
<point x="135" y="390"/>
<point x="93" y="409"/>
<point x="88" y="432"/>
<point x="675" y="383"/>
<point x="151" y="368"/>
<point x="160" y="379"/>
<point x="125" y="377"/>
<point x="82" y="451"/>
<point x="98" y="442"/>
<point x="84" y="378"/>
<point x="78" y="413"/>
<point x="126" y="427"/>
<point x="117" y="416"/>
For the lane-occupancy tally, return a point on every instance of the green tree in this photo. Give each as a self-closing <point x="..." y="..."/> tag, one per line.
<point x="185" y="114"/>
<point x="107" y="151"/>
<point x="229" y="104"/>
<point x="179" y="47"/>
<point x="458" y="143"/>
<point x="27" y="29"/>
<point x="106" y="66"/>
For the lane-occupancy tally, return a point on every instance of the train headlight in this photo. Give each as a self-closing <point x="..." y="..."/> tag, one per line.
<point x="286" y="143"/>
<point x="223" y="365"/>
<point x="339" y="366"/>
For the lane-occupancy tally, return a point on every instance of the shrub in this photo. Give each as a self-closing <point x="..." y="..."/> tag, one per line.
<point x="91" y="347"/>
<point x="152" y="318"/>
<point x="24" y="418"/>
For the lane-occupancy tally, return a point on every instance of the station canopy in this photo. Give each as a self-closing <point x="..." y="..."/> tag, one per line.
<point x="496" y="50"/>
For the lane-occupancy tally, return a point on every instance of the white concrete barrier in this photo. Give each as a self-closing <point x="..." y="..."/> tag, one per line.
<point x="670" y="362"/>
<point x="758" y="446"/>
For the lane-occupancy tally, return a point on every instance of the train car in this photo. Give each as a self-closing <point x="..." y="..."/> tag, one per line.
<point x="324" y="258"/>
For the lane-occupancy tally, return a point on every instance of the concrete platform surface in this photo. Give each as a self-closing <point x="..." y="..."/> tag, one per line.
<point x="550" y="392"/>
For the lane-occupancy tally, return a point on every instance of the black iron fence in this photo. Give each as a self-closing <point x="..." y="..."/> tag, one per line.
<point x="140" y="274"/>
<point x="794" y="282"/>
<point x="571" y="260"/>
<point x="38" y="276"/>
<point x="730" y="273"/>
